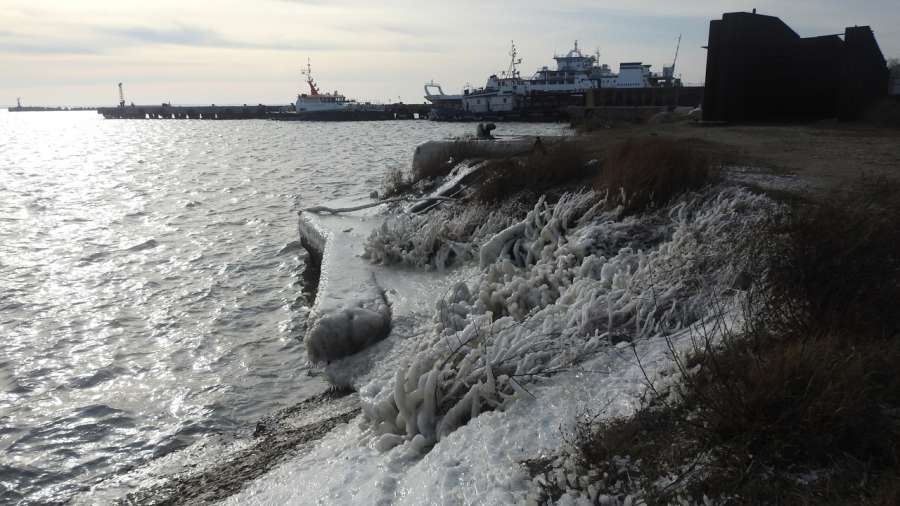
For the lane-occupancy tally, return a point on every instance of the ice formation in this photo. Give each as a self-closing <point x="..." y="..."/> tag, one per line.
<point x="438" y="151"/>
<point x="552" y="324"/>
<point x="556" y="288"/>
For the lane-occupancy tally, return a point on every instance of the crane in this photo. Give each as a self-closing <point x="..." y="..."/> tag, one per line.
<point x="677" y="47"/>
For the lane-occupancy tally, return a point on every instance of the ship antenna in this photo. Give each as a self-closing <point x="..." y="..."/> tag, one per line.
<point x="313" y="90"/>
<point x="513" y="61"/>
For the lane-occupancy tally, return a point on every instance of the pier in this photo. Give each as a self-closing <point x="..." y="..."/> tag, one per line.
<point x="235" y="112"/>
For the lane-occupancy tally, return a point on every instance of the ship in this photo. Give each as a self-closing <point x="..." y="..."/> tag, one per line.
<point x="547" y="92"/>
<point x="319" y="106"/>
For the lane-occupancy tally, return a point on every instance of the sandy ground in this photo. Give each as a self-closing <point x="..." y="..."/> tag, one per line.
<point x="825" y="155"/>
<point x="221" y="470"/>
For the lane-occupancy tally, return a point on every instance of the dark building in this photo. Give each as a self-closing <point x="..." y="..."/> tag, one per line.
<point x="759" y="70"/>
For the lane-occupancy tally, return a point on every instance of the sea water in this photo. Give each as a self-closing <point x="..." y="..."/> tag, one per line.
<point x="149" y="293"/>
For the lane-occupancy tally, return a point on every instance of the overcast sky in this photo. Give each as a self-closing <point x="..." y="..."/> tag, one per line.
<point x="230" y="52"/>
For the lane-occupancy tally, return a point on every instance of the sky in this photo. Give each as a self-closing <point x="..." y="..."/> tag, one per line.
<point x="75" y="52"/>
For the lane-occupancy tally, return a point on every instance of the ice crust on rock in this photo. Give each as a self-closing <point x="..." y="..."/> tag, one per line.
<point x="438" y="151"/>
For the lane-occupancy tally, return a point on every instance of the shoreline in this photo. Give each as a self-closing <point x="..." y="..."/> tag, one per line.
<point x="770" y="180"/>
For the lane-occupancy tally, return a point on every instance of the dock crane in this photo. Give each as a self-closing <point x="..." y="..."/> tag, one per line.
<point x="677" y="47"/>
<point x="669" y="71"/>
<point x="121" y="97"/>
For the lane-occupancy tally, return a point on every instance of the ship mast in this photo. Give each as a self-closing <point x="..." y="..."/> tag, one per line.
<point x="513" y="61"/>
<point x="313" y="89"/>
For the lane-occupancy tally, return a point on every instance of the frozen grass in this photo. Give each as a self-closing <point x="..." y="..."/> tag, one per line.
<point x="567" y="281"/>
<point x="395" y="183"/>
<point x="438" y="240"/>
<point x="799" y="405"/>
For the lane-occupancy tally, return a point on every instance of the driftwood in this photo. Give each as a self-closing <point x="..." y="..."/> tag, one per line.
<point x="336" y="210"/>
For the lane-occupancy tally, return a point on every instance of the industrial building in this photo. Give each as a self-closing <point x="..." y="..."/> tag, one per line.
<point x="760" y="70"/>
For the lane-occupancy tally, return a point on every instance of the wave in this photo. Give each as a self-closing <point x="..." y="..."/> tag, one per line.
<point x="148" y="244"/>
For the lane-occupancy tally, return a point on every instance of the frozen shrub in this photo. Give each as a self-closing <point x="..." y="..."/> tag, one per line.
<point x="437" y="240"/>
<point x="395" y="183"/>
<point x="555" y="288"/>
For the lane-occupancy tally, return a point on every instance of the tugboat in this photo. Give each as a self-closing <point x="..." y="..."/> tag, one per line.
<point x="318" y="106"/>
<point x="316" y="101"/>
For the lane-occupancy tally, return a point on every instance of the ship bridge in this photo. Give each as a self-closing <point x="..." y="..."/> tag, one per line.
<point x="574" y="61"/>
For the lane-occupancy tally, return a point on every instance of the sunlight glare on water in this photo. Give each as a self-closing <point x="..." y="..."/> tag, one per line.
<point x="144" y="297"/>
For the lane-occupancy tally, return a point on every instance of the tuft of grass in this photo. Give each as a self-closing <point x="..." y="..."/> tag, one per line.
<point x="545" y="168"/>
<point x="395" y="184"/>
<point x="648" y="172"/>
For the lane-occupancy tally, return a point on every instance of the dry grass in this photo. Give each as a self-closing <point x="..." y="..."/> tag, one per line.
<point x="884" y="113"/>
<point x="839" y="263"/>
<point x="810" y="384"/>
<point x="648" y="172"/>
<point x="560" y="164"/>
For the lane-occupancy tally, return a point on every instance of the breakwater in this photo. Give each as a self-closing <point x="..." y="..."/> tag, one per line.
<point x="260" y="111"/>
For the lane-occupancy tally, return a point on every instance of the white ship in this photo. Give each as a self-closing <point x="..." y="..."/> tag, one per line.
<point x="575" y="73"/>
<point x="317" y="101"/>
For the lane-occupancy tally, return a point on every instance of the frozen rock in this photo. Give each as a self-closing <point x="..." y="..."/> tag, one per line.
<point x="350" y="312"/>
<point x="465" y="149"/>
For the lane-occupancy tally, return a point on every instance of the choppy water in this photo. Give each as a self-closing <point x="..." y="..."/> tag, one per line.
<point x="145" y="297"/>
